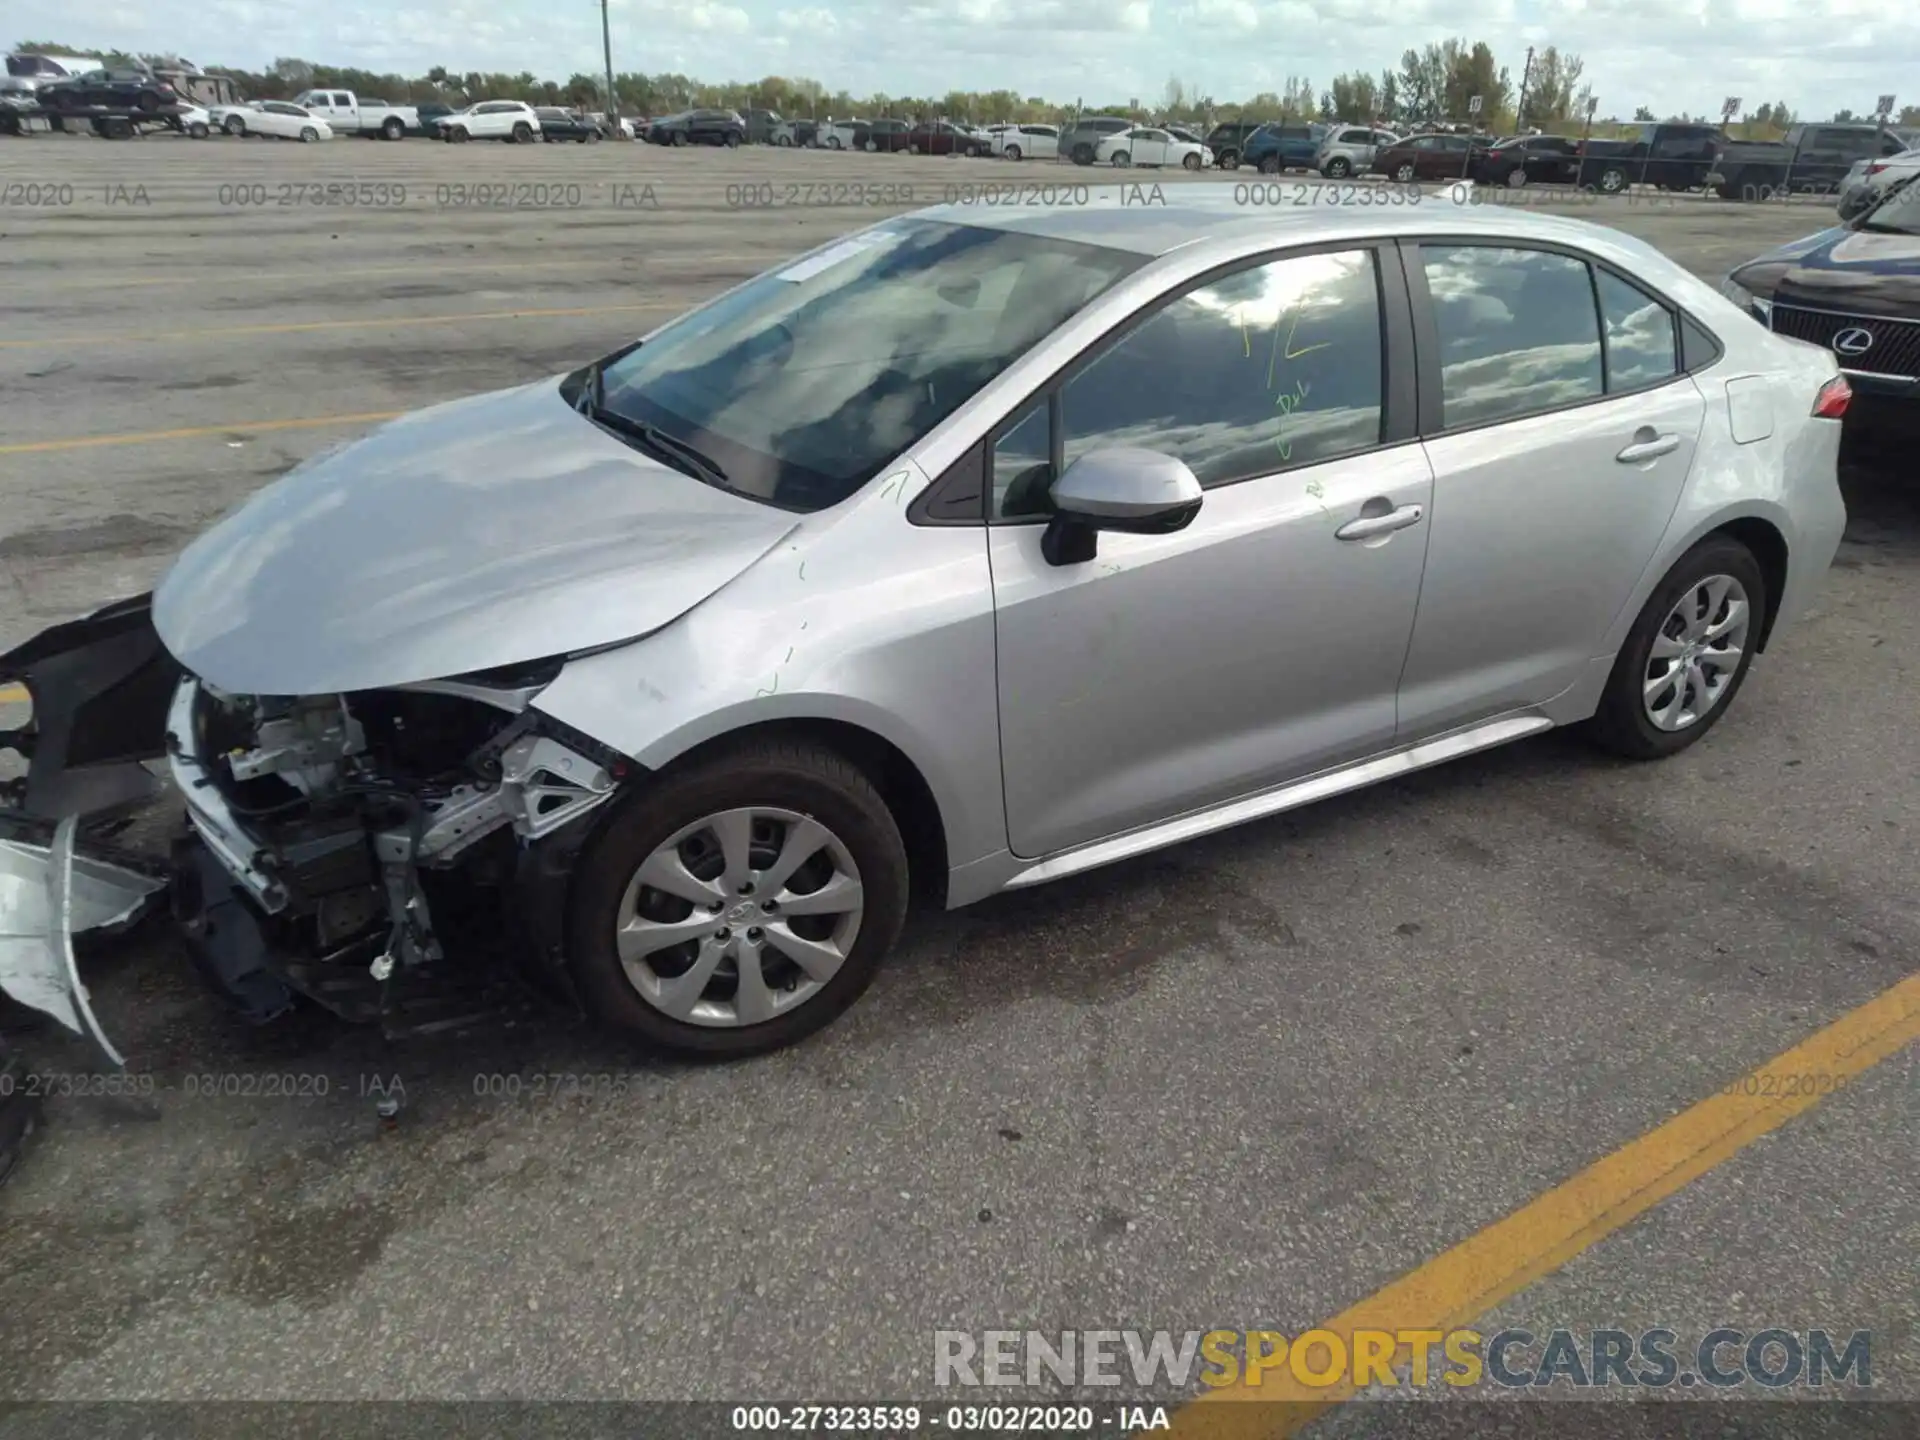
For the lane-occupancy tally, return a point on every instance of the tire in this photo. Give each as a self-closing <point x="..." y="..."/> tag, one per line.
<point x="522" y="132"/>
<point x="458" y="135"/>
<point x="801" y="780"/>
<point x="1338" y="168"/>
<point x="1189" y="162"/>
<point x="1269" y="164"/>
<point x="198" y="130"/>
<point x="308" y="135"/>
<point x="1121" y="159"/>
<point x="592" y="137"/>
<point x="833" y="143"/>
<point x="1228" y="160"/>
<point x="1622" y="724"/>
<point x="236" y="127"/>
<point x="1083" y="154"/>
<point x="679" y="139"/>
<point x="1403" y="174"/>
<point x="733" y="140"/>
<point x="1613" y="180"/>
<point x="783" y="140"/>
<point x="392" y="129"/>
<point x="146" y="100"/>
<point x="1012" y="152"/>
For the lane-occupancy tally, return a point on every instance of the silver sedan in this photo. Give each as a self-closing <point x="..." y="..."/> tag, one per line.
<point x="977" y="549"/>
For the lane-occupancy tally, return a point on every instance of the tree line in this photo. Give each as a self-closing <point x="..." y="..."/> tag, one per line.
<point x="1434" y="84"/>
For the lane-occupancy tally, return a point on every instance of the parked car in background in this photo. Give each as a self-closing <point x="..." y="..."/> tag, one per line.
<point x="194" y="121"/>
<point x="276" y="119"/>
<point x="1868" y="180"/>
<point x="1431" y="156"/>
<point x="115" y="89"/>
<point x="1151" y="146"/>
<point x="700" y="127"/>
<point x="557" y="124"/>
<point x="1807" y="160"/>
<point x="1667" y="155"/>
<point x="1028" y="142"/>
<point x="349" y="114"/>
<point x="849" y="134"/>
<point x="1349" y="150"/>
<point x="760" y="125"/>
<point x="1228" y="141"/>
<point x="513" y="121"/>
<point x="1080" y="140"/>
<point x="1288" y="146"/>
<point x="887" y="136"/>
<point x="25" y="74"/>
<point x="1183" y="134"/>
<point x="430" y="114"/>
<point x="1855" y="290"/>
<point x="943" y="137"/>
<point x="797" y="134"/>
<point x="1527" y="160"/>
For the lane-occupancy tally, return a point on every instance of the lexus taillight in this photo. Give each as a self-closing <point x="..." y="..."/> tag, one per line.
<point x="1834" y="397"/>
<point x="1876" y="167"/>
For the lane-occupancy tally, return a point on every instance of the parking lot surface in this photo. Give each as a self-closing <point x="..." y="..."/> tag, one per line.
<point x="1245" y="1083"/>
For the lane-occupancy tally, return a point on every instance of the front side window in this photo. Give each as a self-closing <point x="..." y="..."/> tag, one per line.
<point x="1266" y="370"/>
<point x="1517" y="329"/>
<point x="801" y="385"/>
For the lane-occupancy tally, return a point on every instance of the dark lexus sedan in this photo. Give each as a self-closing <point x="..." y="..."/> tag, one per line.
<point x="699" y="127"/>
<point x="1854" y="289"/>
<point x="112" y="89"/>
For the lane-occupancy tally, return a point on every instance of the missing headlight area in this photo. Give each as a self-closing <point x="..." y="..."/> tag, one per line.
<point x="375" y="851"/>
<point x="372" y="835"/>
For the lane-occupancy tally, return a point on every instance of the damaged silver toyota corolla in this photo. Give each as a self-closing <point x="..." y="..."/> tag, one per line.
<point x="981" y="548"/>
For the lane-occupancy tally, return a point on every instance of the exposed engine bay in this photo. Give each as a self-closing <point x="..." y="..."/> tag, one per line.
<point x="336" y="846"/>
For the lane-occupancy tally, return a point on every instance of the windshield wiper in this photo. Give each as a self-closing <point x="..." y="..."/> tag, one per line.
<point x="676" y="452"/>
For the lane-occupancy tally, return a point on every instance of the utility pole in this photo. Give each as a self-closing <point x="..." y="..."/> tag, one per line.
<point x="606" y="42"/>
<point x="1526" y="74"/>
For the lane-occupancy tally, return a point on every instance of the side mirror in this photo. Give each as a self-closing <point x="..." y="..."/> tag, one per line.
<point x="1139" y="492"/>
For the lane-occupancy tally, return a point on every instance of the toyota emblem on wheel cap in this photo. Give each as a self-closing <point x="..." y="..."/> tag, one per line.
<point x="1853" y="341"/>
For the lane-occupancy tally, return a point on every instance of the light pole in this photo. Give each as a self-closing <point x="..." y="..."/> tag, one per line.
<point x="1526" y="74"/>
<point x="606" y="43"/>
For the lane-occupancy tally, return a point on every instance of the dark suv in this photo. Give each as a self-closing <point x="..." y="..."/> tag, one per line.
<point x="1228" y="141"/>
<point x="1273" y="148"/>
<point x="699" y="127"/>
<point x="111" y="89"/>
<point x="1080" y="139"/>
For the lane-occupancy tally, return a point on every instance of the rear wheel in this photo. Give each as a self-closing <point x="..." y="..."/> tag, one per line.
<point x="1082" y="154"/>
<point x="522" y="132"/>
<point x="1339" y="167"/>
<point x="1012" y="152"/>
<point x="1269" y="164"/>
<point x="679" y="137"/>
<point x="1613" y="180"/>
<point x="737" y="907"/>
<point x="392" y="128"/>
<point x="1229" y="160"/>
<point x="1687" y="653"/>
<point x="1403" y="174"/>
<point x="1122" y="159"/>
<point x="198" y="130"/>
<point x="1517" y="178"/>
<point x="733" y="140"/>
<point x="236" y="126"/>
<point x="147" y="100"/>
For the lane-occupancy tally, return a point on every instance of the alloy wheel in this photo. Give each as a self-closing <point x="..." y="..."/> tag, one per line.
<point x="739" y="917"/>
<point x="1696" y="653"/>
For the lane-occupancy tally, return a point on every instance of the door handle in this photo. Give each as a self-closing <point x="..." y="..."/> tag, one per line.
<point x="1648" y="446"/>
<point x="1368" y="527"/>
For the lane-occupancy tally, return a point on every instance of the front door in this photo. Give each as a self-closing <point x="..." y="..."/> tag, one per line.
<point x="1565" y="436"/>
<point x="1172" y="672"/>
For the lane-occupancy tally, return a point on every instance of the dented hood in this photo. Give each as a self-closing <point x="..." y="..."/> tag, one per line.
<point x="491" y="531"/>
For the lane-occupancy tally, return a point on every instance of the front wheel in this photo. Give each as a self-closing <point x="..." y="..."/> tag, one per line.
<point x="1270" y="165"/>
<point x="457" y="135"/>
<point x="522" y="132"/>
<point x="739" y="906"/>
<point x="198" y="130"/>
<point x="236" y="127"/>
<point x="1612" y="180"/>
<point x="1403" y="174"/>
<point x="1516" y="178"/>
<point x="1012" y="152"/>
<point x="1190" y="162"/>
<point x="1121" y="159"/>
<point x="1687" y="653"/>
<point x="308" y="134"/>
<point x="833" y="142"/>
<point x="1338" y="168"/>
<point x="1229" y="160"/>
<point x="733" y="141"/>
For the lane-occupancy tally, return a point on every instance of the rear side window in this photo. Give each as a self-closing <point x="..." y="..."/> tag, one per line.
<point x="1517" y="329"/>
<point x="1639" y="335"/>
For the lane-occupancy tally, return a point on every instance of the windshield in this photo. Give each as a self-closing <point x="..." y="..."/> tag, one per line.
<point x="800" y="386"/>
<point x="1898" y="212"/>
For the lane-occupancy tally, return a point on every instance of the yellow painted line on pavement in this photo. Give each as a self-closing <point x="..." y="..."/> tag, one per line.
<point x="195" y="432"/>
<point x="172" y="336"/>
<point x="1465" y="1282"/>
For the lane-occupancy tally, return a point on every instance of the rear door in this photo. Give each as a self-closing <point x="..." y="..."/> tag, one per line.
<point x="1561" y="428"/>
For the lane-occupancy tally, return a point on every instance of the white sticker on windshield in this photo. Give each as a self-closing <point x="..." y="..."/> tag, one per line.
<point x="833" y="255"/>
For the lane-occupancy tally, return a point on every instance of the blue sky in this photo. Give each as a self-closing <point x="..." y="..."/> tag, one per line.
<point x="1671" y="55"/>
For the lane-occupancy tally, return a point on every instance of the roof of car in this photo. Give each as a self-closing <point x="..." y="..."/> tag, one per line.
<point x="1155" y="218"/>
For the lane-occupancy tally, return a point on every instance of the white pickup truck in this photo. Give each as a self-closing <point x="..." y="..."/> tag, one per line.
<point x="348" y="114"/>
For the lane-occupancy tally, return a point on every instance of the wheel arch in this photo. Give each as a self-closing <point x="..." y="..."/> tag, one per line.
<point x="908" y="794"/>
<point x="1763" y="538"/>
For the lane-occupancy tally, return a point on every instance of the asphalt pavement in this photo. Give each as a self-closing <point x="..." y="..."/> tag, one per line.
<point x="1243" y="1084"/>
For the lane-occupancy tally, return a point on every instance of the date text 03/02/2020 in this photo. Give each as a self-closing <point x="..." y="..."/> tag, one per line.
<point x="954" y="1419"/>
